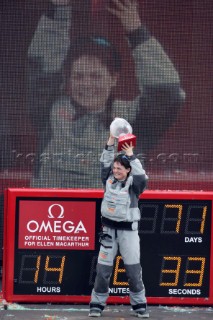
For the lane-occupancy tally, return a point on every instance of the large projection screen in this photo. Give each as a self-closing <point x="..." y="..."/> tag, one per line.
<point x="68" y="68"/>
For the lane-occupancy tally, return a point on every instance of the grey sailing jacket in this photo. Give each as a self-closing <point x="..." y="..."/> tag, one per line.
<point x="120" y="202"/>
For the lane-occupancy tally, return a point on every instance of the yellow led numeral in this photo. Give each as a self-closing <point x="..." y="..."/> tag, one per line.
<point x="172" y="271"/>
<point x="60" y="269"/>
<point x="203" y="219"/>
<point x="195" y="221"/>
<point x="38" y="262"/>
<point x="180" y="210"/>
<point x="200" y="272"/>
<point x="117" y="271"/>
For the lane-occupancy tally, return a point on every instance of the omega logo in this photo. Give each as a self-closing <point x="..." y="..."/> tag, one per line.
<point x="56" y="226"/>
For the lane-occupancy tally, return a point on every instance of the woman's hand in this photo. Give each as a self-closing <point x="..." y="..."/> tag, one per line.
<point x="128" y="149"/>
<point x="127" y="12"/>
<point x="111" y="140"/>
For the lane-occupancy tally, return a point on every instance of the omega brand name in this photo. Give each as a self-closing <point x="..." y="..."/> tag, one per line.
<point x="55" y="223"/>
<point x="55" y="226"/>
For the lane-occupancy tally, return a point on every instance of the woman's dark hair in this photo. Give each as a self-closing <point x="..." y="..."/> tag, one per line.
<point x="123" y="160"/>
<point x="93" y="46"/>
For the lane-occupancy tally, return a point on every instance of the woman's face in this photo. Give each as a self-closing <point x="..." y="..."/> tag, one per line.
<point x="91" y="83"/>
<point x="119" y="171"/>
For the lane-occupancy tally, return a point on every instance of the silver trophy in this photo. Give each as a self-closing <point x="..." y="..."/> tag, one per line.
<point x="122" y="130"/>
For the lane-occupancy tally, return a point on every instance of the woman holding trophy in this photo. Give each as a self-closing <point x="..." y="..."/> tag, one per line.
<point x="124" y="180"/>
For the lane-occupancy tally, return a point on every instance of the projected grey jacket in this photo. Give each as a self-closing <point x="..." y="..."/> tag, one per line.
<point x="68" y="144"/>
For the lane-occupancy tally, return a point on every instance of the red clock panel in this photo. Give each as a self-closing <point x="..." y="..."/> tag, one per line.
<point x="51" y="247"/>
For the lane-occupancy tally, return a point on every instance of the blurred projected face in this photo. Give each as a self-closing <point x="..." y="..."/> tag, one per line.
<point x="91" y="82"/>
